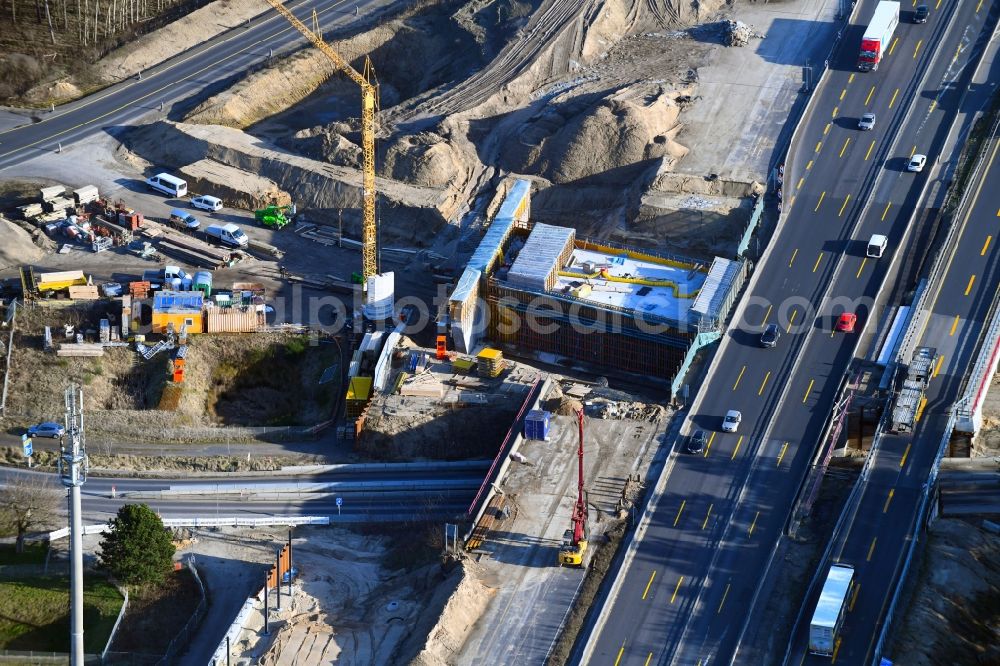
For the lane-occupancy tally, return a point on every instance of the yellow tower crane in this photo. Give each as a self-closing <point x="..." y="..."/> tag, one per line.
<point x="369" y="253"/>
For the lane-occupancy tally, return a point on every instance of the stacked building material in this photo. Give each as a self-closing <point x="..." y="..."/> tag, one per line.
<point x="490" y="362"/>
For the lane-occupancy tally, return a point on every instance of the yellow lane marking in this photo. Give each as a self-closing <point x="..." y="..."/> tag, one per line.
<point x="958" y="51"/>
<point x="820" y="202"/>
<point x="708" y="447"/>
<point x="917" y="50"/>
<point x="801" y="180"/>
<point x="737" y="449"/>
<point x="843" y="93"/>
<point x="968" y="288"/>
<point x="740" y="377"/>
<point x="979" y="6"/>
<point x="621" y="650"/>
<point x="646" y="591"/>
<point x="808" y="391"/>
<point x="826" y="129"/>
<point x="766" y="315"/>
<point x="724" y="595"/>
<point x="648" y="658"/>
<point x="792" y="260"/>
<point x="836" y="649"/>
<point x="938" y="5"/>
<point x="762" y="385"/>
<point x="893" y="46"/>
<point x="892" y="491"/>
<point x="869" y="152"/>
<point x="782" y="454"/>
<point x="902" y="461"/>
<point x="753" y="525"/>
<point x="679" y="512"/>
<point x="704" y="523"/>
<point x="871" y="549"/>
<point x="894" y="96"/>
<point x="954" y="326"/>
<point x="846" y="142"/>
<point x="937" y="368"/>
<point x="870" y="93"/>
<point x="850" y="79"/>
<point x="674" y="595"/>
<point x="819" y="144"/>
<point x="809" y="165"/>
<point x="982" y="253"/>
<point x="920" y="408"/>
<point x="835" y="109"/>
<point x="791" y="320"/>
<point x="818" y="259"/>
<point x="861" y="267"/>
<point x="886" y="211"/>
<point x="913" y="150"/>
<point x="791" y="202"/>
<point x="933" y="106"/>
<point x="854" y="597"/>
<point x="844" y="205"/>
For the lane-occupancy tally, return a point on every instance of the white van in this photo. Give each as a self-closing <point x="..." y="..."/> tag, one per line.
<point x="208" y="203"/>
<point x="227" y="234"/>
<point x="164" y="182"/>
<point x="876" y="246"/>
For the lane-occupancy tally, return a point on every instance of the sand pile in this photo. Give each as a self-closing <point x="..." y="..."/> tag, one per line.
<point x="236" y="187"/>
<point x="457" y="604"/>
<point x="265" y="92"/>
<point x="583" y="137"/>
<point x="17" y="247"/>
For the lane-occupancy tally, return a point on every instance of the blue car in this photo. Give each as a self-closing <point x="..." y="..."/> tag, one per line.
<point x="47" y="429"/>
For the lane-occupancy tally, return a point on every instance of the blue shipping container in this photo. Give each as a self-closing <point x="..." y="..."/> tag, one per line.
<point x="536" y="425"/>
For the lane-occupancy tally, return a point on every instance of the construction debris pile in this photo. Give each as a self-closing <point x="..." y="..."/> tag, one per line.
<point x="736" y="33"/>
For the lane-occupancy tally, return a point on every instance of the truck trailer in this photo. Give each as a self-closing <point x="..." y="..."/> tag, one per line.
<point x="829" y="613"/>
<point x="877" y="39"/>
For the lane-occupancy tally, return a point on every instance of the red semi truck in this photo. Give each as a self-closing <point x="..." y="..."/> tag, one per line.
<point x="878" y="36"/>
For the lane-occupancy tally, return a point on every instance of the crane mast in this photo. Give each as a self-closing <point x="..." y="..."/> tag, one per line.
<point x="369" y="104"/>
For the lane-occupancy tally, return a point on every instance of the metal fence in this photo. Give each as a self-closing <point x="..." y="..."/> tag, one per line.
<point x="183" y="638"/>
<point x="36" y="657"/>
<point x="913" y="538"/>
<point x="755" y="217"/>
<point x="9" y="316"/>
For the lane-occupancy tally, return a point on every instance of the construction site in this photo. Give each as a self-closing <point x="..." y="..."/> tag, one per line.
<point x="487" y="231"/>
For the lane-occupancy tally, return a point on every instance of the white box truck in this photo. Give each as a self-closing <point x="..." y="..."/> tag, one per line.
<point x="829" y="613"/>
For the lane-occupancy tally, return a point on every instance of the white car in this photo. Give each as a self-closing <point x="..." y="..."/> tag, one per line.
<point x="917" y="163"/>
<point x="732" y="421"/>
<point x="867" y="122"/>
<point x="208" y="203"/>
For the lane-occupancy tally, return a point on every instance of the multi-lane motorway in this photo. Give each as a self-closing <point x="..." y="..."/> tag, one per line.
<point x="874" y="542"/>
<point x="212" y="63"/>
<point x="684" y="589"/>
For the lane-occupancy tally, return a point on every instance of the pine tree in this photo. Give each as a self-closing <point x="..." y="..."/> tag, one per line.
<point x="137" y="549"/>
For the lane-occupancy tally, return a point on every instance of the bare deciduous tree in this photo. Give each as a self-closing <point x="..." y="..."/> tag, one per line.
<point x="27" y="504"/>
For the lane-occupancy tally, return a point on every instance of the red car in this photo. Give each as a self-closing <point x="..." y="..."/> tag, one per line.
<point x="846" y="321"/>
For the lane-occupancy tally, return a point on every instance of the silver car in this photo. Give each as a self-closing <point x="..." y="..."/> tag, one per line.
<point x="732" y="421"/>
<point x="867" y="122"/>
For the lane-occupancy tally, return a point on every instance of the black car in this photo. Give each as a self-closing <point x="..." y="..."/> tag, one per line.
<point x="696" y="442"/>
<point x="920" y="14"/>
<point x="769" y="337"/>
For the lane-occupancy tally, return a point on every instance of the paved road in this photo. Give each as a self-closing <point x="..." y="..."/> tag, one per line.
<point x="375" y="492"/>
<point x="682" y="597"/>
<point x="875" y="541"/>
<point x="202" y="68"/>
